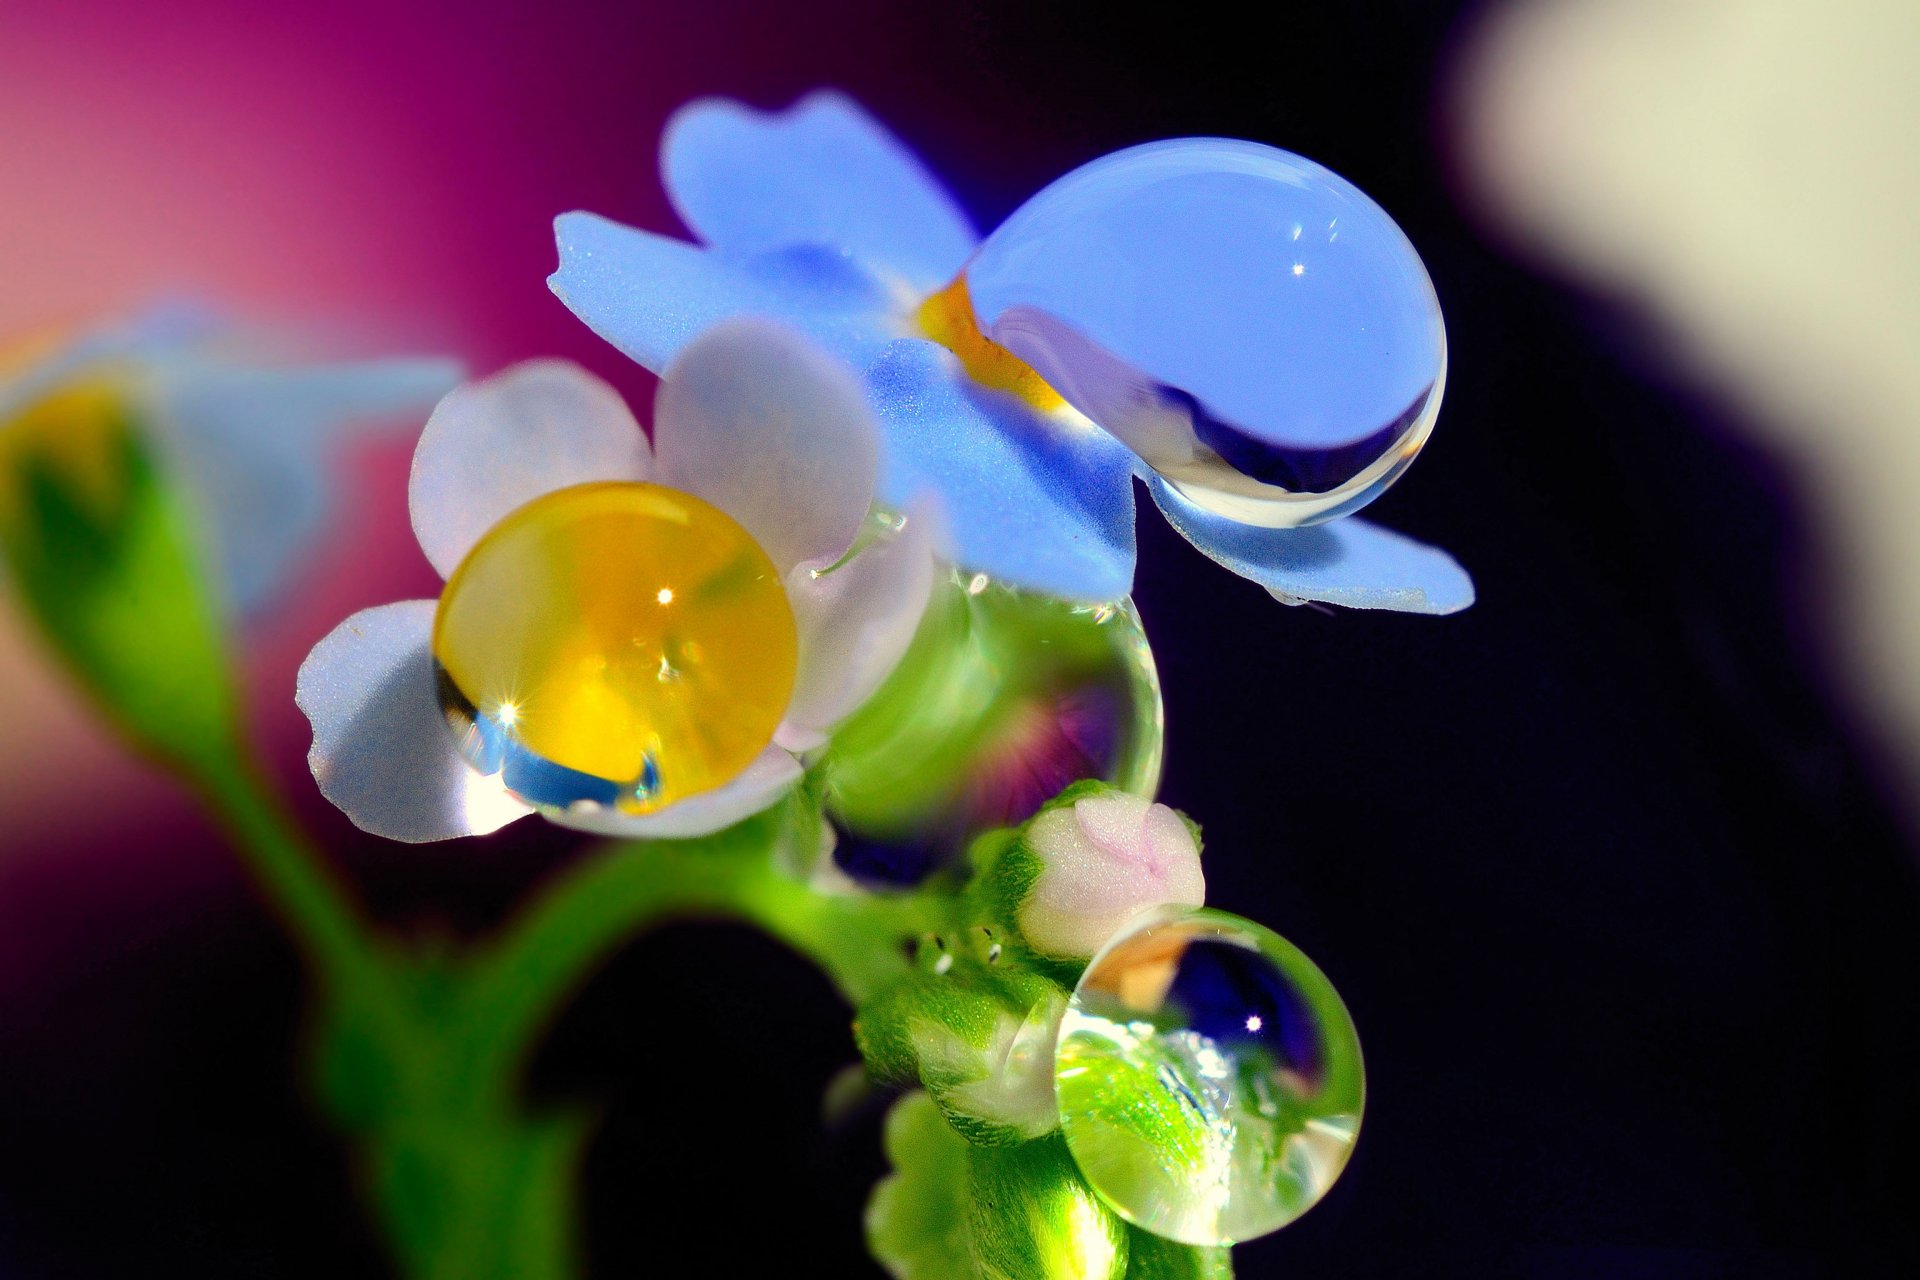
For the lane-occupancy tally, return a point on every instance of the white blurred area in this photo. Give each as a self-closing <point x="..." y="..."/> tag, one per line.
<point x="1749" y="171"/>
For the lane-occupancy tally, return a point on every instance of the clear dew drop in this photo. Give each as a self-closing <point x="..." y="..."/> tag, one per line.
<point x="1044" y="693"/>
<point x="1248" y="321"/>
<point x="1209" y="1078"/>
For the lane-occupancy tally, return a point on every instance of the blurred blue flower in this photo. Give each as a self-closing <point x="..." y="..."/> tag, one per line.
<point x="247" y="438"/>
<point x="1242" y="330"/>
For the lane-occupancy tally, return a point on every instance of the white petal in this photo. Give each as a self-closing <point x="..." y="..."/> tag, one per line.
<point x="855" y="624"/>
<point x="381" y="750"/>
<point x="759" y="785"/>
<point x="774" y="431"/>
<point x="499" y="443"/>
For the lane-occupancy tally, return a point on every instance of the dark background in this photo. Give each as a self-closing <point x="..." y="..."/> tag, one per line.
<point x="1614" y="894"/>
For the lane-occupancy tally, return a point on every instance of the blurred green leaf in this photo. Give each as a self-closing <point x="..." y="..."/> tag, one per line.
<point x="100" y="552"/>
<point x="984" y="661"/>
<point x="917" y="1218"/>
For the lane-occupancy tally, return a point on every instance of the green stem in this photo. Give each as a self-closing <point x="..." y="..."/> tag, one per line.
<point x="568" y="931"/>
<point x="299" y="886"/>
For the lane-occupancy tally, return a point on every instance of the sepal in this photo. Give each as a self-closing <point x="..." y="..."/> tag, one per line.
<point x="1033" y="1217"/>
<point x="917" y="1217"/>
<point x="1152" y="1257"/>
<point x="100" y="552"/>
<point x="979" y="1038"/>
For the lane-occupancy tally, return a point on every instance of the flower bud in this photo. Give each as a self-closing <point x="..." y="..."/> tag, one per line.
<point x="1103" y="859"/>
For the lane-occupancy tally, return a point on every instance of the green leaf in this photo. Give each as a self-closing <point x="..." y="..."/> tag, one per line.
<point x="100" y="552"/>
<point x="1034" y="1218"/>
<point x="1151" y="1257"/>
<point x="917" y="1218"/>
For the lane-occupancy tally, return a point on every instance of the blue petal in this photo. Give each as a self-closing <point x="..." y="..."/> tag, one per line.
<point x="650" y="295"/>
<point x="823" y="172"/>
<point x="1029" y="499"/>
<point x="1345" y="562"/>
<point x="253" y="446"/>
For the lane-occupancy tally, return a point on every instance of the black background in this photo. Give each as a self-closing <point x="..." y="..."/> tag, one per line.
<point x="1611" y="889"/>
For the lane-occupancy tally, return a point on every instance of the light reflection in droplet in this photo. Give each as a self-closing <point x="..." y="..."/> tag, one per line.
<point x="1209" y="1078"/>
<point x="1146" y="289"/>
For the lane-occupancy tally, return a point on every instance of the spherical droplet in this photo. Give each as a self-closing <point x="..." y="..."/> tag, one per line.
<point x="1249" y="322"/>
<point x="1209" y="1078"/>
<point x="1004" y="698"/>
<point x="618" y="644"/>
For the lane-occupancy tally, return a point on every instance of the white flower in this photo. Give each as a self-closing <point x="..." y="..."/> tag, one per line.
<point x="752" y="420"/>
<point x="244" y="435"/>
<point x="1105" y="859"/>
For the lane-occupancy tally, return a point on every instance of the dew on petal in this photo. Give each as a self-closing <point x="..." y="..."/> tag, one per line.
<point x="1253" y="325"/>
<point x="614" y="645"/>
<point x="1208" y="1076"/>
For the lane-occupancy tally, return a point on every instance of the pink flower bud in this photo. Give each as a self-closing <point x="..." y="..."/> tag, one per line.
<point x="1105" y="859"/>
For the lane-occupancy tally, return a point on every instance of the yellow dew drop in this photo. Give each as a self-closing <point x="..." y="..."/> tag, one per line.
<point x="625" y="631"/>
<point x="947" y="318"/>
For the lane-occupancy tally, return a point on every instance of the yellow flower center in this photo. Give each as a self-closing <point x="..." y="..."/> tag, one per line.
<point x="627" y="632"/>
<point x="947" y="318"/>
<point x="78" y="430"/>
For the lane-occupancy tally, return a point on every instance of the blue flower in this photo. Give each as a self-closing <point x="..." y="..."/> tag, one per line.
<point x="246" y="437"/>
<point x="1240" y="329"/>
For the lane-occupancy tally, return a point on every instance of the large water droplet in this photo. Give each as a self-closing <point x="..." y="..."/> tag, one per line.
<point x="1005" y="697"/>
<point x="623" y="645"/>
<point x="1209" y="1078"/>
<point x="1249" y="322"/>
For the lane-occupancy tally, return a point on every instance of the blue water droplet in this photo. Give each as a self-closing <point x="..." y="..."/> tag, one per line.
<point x="1248" y="321"/>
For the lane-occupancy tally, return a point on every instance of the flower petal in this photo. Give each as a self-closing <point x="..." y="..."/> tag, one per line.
<point x="1038" y="501"/>
<point x="1345" y="562"/>
<point x="497" y="444"/>
<point x="650" y="295"/>
<point x="772" y="773"/>
<point x="159" y="332"/>
<point x="381" y="750"/>
<point x="855" y="624"/>
<point x="252" y="447"/>
<point x="822" y="172"/>
<point x="775" y="432"/>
